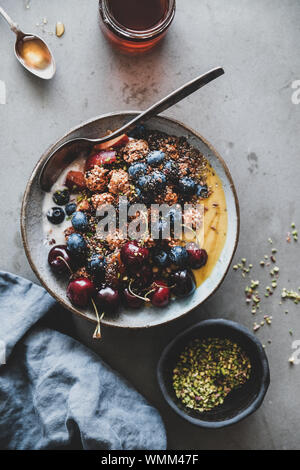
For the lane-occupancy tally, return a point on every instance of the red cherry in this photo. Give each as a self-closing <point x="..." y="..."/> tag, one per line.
<point x="131" y="300"/>
<point x="197" y="256"/>
<point x="80" y="291"/>
<point x="100" y="158"/>
<point x="75" y="181"/>
<point x="108" y="300"/>
<point x="59" y="259"/>
<point x="184" y="283"/>
<point x="117" y="142"/>
<point x="161" y="296"/>
<point x="133" y="255"/>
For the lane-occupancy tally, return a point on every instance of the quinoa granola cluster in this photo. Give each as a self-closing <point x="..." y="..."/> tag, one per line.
<point x="105" y="184"/>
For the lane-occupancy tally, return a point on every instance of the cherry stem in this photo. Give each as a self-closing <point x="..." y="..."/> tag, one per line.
<point x="148" y="293"/>
<point x="194" y="232"/>
<point x="155" y="284"/>
<point x="66" y="263"/>
<point x="97" y="332"/>
<point x="169" y="287"/>
<point x="158" y="286"/>
<point x="136" y="295"/>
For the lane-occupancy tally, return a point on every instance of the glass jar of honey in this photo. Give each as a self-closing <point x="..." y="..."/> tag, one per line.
<point x="136" y="25"/>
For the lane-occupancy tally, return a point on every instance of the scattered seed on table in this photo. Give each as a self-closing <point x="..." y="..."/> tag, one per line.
<point x="59" y="29"/>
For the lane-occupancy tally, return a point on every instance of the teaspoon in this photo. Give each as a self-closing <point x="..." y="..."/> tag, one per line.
<point x="31" y="51"/>
<point x="69" y="150"/>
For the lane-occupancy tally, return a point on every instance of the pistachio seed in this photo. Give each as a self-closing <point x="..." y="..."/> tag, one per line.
<point x="59" y="29"/>
<point x="207" y="371"/>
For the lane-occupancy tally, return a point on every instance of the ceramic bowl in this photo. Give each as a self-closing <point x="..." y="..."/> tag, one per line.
<point x="241" y="402"/>
<point x="36" y="251"/>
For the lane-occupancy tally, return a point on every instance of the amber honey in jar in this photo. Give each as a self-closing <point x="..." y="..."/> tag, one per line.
<point x="136" y="25"/>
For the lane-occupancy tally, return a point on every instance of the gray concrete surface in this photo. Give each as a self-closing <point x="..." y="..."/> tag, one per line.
<point x="248" y="115"/>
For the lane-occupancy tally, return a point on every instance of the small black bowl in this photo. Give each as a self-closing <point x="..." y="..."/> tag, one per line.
<point x="240" y="402"/>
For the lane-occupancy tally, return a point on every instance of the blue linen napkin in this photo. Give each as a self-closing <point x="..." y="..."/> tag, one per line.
<point x="57" y="394"/>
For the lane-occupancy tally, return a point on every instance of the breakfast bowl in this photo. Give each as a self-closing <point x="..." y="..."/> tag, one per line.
<point x="33" y="215"/>
<point x="242" y="401"/>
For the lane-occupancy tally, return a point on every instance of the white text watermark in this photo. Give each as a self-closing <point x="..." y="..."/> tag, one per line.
<point x="296" y="94"/>
<point x="2" y="92"/>
<point x="295" y="357"/>
<point x="2" y="352"/>
<point x="161" y="222"/>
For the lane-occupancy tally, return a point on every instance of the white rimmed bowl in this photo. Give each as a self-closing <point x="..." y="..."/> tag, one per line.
<point x="37" y="252"/>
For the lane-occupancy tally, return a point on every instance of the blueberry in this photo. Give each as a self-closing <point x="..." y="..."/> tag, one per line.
<point x="76" y="244"/>
<point x="187" y="186"/>
<point x="157" y="181"/>
<point x="171" y="170"/>
<point x="55" y="215"/>
<point x="80" y="221"/>
<point x="202" y="191"/>
<point x="143" y="182"/>
<point x="136" y="170"/>
<point x="138" y="193"/>
<point x="161" y="258"/>
<point x="61" y="197"/>
<point x="152" y="184"/>
<point x="70" y="208"/>
<point x="96" y="266"/>
<point x="155" y="158"/>
<point x="179" y="256"/>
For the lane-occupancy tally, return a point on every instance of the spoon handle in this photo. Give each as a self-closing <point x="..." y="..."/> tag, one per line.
<point x="62" y="156"/>
<point x="13" y="26"/>
<point x="165" y="103"/>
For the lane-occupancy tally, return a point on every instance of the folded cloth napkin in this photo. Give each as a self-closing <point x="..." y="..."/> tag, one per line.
<point x="57" y="394"/>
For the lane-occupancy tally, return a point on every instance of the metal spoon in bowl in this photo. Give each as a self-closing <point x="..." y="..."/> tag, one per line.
<point x="69" y="150"/>
<point x="31" y="51"/>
